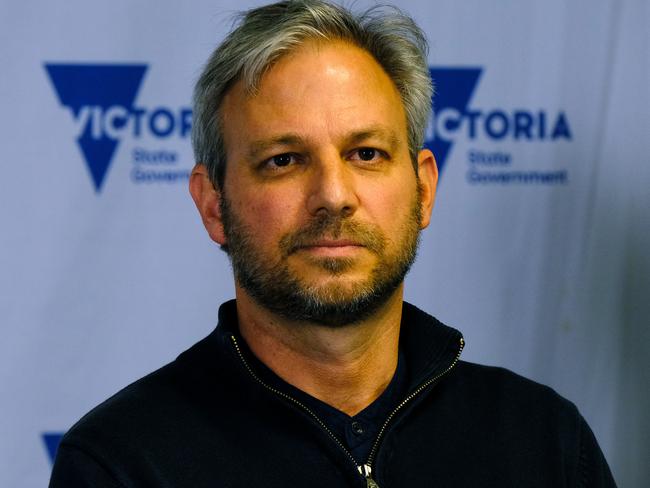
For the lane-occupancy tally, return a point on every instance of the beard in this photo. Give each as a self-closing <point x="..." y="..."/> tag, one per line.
<point x="274" y="286"/>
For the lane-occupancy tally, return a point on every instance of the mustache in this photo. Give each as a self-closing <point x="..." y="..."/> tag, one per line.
<point x="333" y="227"/>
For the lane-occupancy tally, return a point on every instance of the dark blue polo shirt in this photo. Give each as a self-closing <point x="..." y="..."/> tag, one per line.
<point x="357" y="433"/>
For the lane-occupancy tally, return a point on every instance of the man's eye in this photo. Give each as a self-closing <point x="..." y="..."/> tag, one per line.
<point x="282" y="160"/>
<point x="367" y="153"/>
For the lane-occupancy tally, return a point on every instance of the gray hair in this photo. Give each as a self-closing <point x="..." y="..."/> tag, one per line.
<point x="265" y="34"/>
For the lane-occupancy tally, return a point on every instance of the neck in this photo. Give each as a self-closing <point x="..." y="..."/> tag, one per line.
<point x="346" y="367"/>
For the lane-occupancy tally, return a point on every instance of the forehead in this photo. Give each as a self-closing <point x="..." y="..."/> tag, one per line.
<point x="323" y="87"/>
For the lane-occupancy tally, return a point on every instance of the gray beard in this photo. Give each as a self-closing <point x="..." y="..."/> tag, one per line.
<point x="274" y="287"/>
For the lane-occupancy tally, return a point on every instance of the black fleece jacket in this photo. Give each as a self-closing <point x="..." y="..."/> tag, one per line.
<point x="208" y="420"/>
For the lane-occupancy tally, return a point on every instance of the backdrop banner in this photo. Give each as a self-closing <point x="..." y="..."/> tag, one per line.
<point x="537" y="251"/>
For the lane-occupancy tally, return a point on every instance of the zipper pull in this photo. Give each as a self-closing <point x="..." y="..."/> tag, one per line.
<point x="366" y="471"/>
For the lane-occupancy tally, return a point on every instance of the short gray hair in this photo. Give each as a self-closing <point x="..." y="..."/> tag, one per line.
<point x="266" y="34"/>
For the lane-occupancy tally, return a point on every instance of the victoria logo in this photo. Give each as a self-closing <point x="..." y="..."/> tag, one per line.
<point x="101" y="98"/>
<point x="52" y="441"/>
<point x="454" y="118"/>
<point x="102" y="101"/>
<point x="454" y="89"/>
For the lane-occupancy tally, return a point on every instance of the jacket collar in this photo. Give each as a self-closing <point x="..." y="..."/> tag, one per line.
<point x="429" y="346"/>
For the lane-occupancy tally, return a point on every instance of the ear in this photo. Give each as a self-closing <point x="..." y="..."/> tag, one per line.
<point x="428" y="175"/>
<point x="207" y="200"/>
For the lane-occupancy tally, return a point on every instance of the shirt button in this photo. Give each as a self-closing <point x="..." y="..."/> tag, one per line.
<point x="357" y="428"/>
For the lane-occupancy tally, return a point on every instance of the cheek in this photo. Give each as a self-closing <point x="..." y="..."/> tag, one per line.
<point x="268" y="213"/>
<point x="389" y="205"/>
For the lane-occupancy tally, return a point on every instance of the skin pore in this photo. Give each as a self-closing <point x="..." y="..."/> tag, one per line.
<point x="322" y="139"/>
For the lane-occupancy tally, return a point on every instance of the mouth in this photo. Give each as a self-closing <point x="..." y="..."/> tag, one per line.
<point x="333" y="237"/>
<point x="332" y="247"/>
<point x="333" y="243"/>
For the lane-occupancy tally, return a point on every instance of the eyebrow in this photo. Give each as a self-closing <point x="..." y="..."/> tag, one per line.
<point x="378" y="131"/>
<point x="258" y="147"/>
<point x="355" y="137"/>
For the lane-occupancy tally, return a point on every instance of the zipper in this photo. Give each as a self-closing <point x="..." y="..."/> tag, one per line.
<point x="292" y="400"/>
<point x="366" y="469"/>
<point x="366" y="472"/>
<point x="410" y="397"/>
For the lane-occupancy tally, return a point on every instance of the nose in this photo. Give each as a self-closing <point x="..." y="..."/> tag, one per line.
<point x="332" y="188"/>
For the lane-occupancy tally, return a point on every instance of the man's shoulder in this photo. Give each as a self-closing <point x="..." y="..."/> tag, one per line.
<point x="499" y="411"/>
<point x="490" y="385"/>
<point x="497" y="394"/>
<point x="159" y="399"/>
<point x="181" y="409"/>
<point x="138" y="404"/>
<point x="498" y="382"/>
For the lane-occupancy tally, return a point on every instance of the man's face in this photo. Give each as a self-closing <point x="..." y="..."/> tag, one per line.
<point x="321" y="210"/>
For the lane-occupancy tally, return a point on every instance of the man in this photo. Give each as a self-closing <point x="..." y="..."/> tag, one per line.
<point x="308" y="131"/>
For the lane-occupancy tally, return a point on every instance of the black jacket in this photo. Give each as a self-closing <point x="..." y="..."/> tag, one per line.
<point x="207" y="420"/>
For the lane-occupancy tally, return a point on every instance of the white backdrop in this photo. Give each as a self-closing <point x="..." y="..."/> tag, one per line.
<point x="538" y="250"/>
